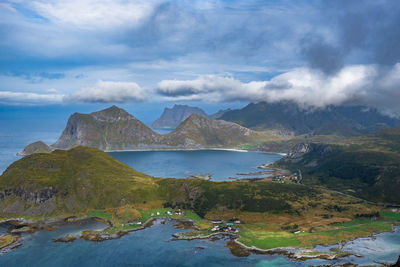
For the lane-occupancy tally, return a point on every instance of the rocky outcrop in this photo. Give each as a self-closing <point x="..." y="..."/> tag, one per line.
<point x="172" y="117"/>
<point x="36" y="147"/>
<point x="302" y="153"/>
<point x="36" y="197"/>
<point x="299" y="150"/>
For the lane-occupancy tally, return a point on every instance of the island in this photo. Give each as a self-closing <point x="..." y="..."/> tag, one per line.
<point x="260" y="216"/>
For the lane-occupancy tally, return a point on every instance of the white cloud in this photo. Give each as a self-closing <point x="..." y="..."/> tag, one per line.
<point x="95" y="14"/>
<point x="106" y="91"/>
<point x="8" y="97"/>
<point x="361" y="84"/>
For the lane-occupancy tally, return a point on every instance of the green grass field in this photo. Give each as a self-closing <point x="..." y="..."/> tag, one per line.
<point x="253" y="236"/>
<point x="100" y="214"/>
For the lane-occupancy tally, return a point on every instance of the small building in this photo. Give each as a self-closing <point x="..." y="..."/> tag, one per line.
<point x="178" y="212"/>
<point x="236" y="221"/>
<point x="169" y="213"/>
<point x="216" y="221"/>
<point x="158" y="213"/>
<point x="215" y="228"/>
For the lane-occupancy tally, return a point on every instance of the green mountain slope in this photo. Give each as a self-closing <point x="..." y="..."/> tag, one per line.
<point x="66" y="181"/>
<point x="202" y="132"/>
<point x="365" y="166"/>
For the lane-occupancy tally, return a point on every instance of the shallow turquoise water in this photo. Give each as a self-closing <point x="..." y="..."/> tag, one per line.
<point x="150" y="247"/>
<point x="221" y="164"/>
<point x="154" y="246"/>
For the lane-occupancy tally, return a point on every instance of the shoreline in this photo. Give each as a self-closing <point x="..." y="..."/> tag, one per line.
<point x="190" y="149"/>
<point x="297" y="253"/>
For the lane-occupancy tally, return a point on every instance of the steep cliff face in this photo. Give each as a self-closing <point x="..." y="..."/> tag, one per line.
<point x="198" y="131"/>
<point x="36" y="147"/>
<point x="172" y="117"/>
<point x="309" y="154"/>
<point x="109" y="129"/>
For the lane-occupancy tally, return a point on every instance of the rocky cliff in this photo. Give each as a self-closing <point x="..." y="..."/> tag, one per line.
<point x="109" y="129"/>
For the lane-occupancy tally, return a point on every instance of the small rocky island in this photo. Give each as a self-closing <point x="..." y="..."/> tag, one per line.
<point x="36" y="147"/>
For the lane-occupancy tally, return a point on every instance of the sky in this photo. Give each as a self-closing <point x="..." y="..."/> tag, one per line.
<point x="208" y="53"/>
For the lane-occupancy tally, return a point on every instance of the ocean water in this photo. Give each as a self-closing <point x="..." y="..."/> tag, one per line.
<point x="221" y="164"/>
<point x="155" y="246"/>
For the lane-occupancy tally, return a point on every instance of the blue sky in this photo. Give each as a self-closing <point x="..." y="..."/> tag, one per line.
<point x="211" y="53"/>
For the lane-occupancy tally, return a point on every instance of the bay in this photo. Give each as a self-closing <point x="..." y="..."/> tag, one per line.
<point x="221" y="164"/>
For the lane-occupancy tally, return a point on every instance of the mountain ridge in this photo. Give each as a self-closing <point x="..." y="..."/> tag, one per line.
<point x="116" y="129"/>
<point x="339" y="120"/>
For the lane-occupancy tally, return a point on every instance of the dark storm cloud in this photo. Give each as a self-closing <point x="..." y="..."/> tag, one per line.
<point x="359" y="32"/>
<point x="322" y="55"/>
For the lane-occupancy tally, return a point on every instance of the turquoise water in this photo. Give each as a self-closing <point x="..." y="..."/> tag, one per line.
<point x="155" y="246"/>
<point x="221" y="164"/>
<point x="150" y="247"/>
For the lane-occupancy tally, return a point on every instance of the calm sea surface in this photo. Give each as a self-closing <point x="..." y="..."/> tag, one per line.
<point x="154" y="246"/>
<point x="221" y="164"/>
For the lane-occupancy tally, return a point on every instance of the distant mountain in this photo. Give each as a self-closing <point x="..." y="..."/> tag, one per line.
<point x="36" y="147"/>
<point x="339" y="120"/>
<point x="115" y="129"/>
<point x="172" y="117"/>
<point x="110" y="129"/>
<point x="218" y="114"/>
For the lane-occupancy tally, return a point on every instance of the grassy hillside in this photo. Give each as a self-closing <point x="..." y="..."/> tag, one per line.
<point x="365" y="166"/>
<point x="81" y="178"/>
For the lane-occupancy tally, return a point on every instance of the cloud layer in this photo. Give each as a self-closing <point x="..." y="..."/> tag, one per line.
<point x="316" y="53"/>
<point x="368" y="85"/>
<point x="106" y="92"/>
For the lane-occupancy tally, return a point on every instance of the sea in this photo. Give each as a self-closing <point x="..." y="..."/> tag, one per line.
<point x="152" y="246"/>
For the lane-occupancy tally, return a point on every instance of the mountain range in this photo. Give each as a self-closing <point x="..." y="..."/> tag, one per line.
<point x="288" y="116"/>
<point x="116" y="129"/>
